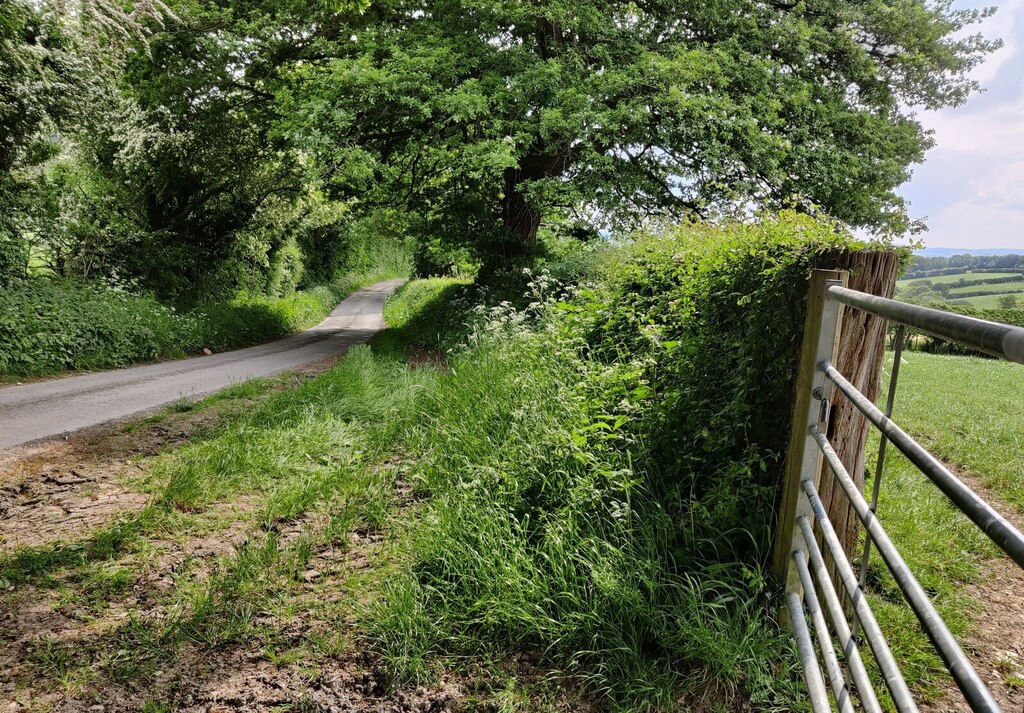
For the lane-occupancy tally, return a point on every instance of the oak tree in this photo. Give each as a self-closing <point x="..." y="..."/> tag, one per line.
<point x="487" y="115"/>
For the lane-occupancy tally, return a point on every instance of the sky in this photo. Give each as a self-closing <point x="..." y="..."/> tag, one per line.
<point x="970" y="190"/>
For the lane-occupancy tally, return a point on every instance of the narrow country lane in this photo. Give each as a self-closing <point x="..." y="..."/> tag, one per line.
<point x="33" y="411"/>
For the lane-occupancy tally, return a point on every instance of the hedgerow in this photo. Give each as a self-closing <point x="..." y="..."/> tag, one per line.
<point x="600" y="469"/>
<point x="935" y="345"/>
<point x="716" y="316"/>
<point x="47" y="326"/>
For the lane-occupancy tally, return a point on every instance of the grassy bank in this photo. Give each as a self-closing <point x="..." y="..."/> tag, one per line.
<point x="966" y="411"/>
<point x="541" y="529"/>
<point x="48" y="326"/>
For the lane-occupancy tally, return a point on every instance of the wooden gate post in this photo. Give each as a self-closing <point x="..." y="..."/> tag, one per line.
<point x="859" y="358"/>
<point x="803" y="458"/>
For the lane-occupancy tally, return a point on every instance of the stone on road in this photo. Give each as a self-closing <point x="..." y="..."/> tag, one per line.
<point x="48" y="408"/>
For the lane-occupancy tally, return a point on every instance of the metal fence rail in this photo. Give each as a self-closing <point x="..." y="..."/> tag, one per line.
<point x="798" y="560"/>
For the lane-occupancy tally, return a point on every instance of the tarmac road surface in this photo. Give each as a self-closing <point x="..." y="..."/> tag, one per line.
<point x="48" y="408"/>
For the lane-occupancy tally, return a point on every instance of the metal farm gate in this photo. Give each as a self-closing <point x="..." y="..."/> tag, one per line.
<point x="798" y="559"/>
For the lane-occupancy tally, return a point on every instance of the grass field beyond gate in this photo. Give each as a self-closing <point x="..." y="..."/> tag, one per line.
<point x="969" y="412"/>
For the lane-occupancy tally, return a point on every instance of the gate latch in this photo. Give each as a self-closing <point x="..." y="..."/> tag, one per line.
<point x="826" y="406"/>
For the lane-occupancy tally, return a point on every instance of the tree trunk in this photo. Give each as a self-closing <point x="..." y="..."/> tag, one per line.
<point x="860" y="358"/>
<point x="520" y="216"/>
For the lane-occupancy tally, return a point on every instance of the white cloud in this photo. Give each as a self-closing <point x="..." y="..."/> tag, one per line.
<point x="982" y="145"/>
<point x="967" y="224"/>
<point x="990" y="133"/>
<point x="1005" y="24"/>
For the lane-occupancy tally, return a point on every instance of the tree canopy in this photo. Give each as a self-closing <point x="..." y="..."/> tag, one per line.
<point x="487" y="115"/>
<point x="222" y="128"/>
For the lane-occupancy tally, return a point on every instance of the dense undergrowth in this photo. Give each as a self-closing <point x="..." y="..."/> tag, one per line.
<point x="590" y="473"/>
<point x="49" y="325"/>
<point x="600" y="467"/>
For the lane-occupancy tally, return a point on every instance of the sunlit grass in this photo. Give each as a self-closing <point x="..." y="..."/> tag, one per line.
<point x="967" y="411"/>
<point x="970" y="412"/>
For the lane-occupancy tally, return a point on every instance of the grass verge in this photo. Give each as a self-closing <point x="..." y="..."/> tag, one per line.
<point x="49" y="326"/>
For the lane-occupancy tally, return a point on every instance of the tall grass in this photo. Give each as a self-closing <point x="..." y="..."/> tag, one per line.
<point x="303" y="446"/>
<point x="539" y="534"/>
<point x="599" y="469"/>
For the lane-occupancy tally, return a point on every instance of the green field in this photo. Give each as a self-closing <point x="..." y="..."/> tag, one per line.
<point x="950" y="279"/>
<point x="968" y="412"/>
<point x="1001" y="288"/>
<point x="987" y="301"/>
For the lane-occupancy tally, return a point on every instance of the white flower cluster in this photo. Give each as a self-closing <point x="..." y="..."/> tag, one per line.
<point x="505" y="321"/>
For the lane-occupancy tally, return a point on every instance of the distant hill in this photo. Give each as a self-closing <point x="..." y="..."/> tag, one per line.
<point x="950" y="252"/>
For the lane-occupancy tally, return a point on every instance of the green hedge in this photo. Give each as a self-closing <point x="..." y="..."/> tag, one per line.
<point x="48" y="326"/>
<point x="714" y="317"/>
<point x="1007" y="316"/>
<point x="928" y="343"/>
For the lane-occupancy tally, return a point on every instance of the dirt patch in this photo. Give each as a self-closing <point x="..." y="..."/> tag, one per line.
<point x="236" y="677"/>
<point x="418" y="357"/>
<point x="61" y="505"/>
<point x="339" y="686"/>
<point x="64" y="487"/>
<point x="317" y="367"/>
<point x="996" y="642"/>
<point x="248" y="682"/>
<point x="55" y="656"/>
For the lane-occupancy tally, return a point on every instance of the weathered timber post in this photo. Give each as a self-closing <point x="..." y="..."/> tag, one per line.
<point x="859" y="357"/>
<point x="803" y="459"/>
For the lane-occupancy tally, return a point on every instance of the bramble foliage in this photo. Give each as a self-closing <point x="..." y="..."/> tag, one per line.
<point x="714" y="316"/>
<point x="600" y="468"/>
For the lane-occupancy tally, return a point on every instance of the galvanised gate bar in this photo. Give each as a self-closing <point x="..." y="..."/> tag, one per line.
<point x="799" y="561"/>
